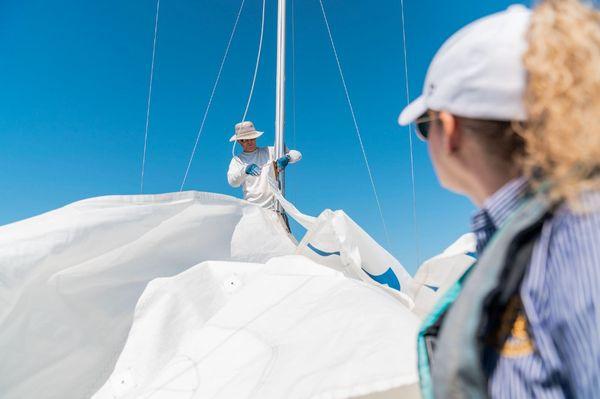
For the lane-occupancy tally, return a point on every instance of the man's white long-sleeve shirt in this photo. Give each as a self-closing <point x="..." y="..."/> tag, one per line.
<point x="256" y="188"/>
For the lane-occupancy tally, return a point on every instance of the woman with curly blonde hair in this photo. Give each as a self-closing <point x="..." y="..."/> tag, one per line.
<point x="511" y="115"/>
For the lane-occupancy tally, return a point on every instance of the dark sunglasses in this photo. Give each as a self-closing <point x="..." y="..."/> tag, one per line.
<point x="423" y="124"/>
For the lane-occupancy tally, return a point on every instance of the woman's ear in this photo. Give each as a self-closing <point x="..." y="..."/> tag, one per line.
<point x="452" y="135"/>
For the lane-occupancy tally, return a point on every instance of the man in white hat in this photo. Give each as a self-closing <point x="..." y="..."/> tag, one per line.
<point x="255" y="166"/>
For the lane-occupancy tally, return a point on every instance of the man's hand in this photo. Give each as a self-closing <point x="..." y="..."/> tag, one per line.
<point x="282" y="162"/>
<point x="253" y="170"/>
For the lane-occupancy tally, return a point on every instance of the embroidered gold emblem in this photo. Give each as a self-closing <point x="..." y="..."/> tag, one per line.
<point x="519" y="343"/>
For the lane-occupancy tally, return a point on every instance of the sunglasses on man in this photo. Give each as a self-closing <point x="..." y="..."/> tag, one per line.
<point x="423" y="124"/>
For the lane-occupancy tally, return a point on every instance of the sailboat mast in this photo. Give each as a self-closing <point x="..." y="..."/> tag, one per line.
<point x="280" y="90"/>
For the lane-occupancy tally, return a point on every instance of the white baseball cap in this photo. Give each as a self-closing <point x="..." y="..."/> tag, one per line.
<point x="478" y="72"/>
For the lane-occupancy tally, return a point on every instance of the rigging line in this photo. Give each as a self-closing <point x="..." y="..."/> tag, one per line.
<point x="212" y="94"/>
<point x="364" y="153"/>
<point x="260" y="44"/>
<point x="149" y="96"/>
<point x="293" y="73"/>
<point x="410" y="140"/>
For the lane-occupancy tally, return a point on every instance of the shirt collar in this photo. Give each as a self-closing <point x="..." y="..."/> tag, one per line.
<point x="496" y="209"/>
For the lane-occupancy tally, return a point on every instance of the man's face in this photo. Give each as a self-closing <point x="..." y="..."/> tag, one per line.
<point x="248" y="145"/>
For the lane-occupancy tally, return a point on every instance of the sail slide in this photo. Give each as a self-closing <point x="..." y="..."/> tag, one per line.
<point x="137" y="288"/>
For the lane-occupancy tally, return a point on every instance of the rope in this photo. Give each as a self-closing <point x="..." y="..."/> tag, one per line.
<point x="410" y="140"/>
<point x="260" y="43"/>
<point x="149" y="97"/>
<point x="337" y="60"/>
<point x="212" y="94"/>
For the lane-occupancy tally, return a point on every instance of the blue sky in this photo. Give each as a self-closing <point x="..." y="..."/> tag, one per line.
<point x="74" y="80"/>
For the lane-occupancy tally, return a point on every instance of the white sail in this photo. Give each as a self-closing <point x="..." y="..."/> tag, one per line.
<point x="436" y="275"/>
<point x="289" y="328"/>
<point x="70" y="280"/>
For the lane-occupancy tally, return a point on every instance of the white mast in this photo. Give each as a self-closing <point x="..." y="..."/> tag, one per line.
<point x="280" y="91"/>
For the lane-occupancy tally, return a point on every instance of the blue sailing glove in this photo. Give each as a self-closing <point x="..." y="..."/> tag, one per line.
<point x="283" y="162"/>
<point x="253" y="170"/>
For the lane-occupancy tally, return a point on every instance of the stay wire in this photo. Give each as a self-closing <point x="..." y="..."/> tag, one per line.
<point x="260" y="45"/>
<point x="355" y="124"/>
<point x="410" y="140"/>
<point x="149" y="100"/>
<point x="256" y="66"/>
<point x="212" y="94"/>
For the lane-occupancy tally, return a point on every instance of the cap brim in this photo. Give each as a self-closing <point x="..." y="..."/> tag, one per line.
<point x="254" y="135"/>
<point x="412" y="111"/>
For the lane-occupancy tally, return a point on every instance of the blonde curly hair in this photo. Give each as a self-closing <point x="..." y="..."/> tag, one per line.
<point x="562" y="135"/>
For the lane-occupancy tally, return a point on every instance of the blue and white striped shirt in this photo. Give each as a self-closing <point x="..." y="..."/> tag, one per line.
<point x="561" y="299"/>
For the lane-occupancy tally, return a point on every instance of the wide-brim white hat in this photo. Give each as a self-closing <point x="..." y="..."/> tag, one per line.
<point x="245" y="131"/>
